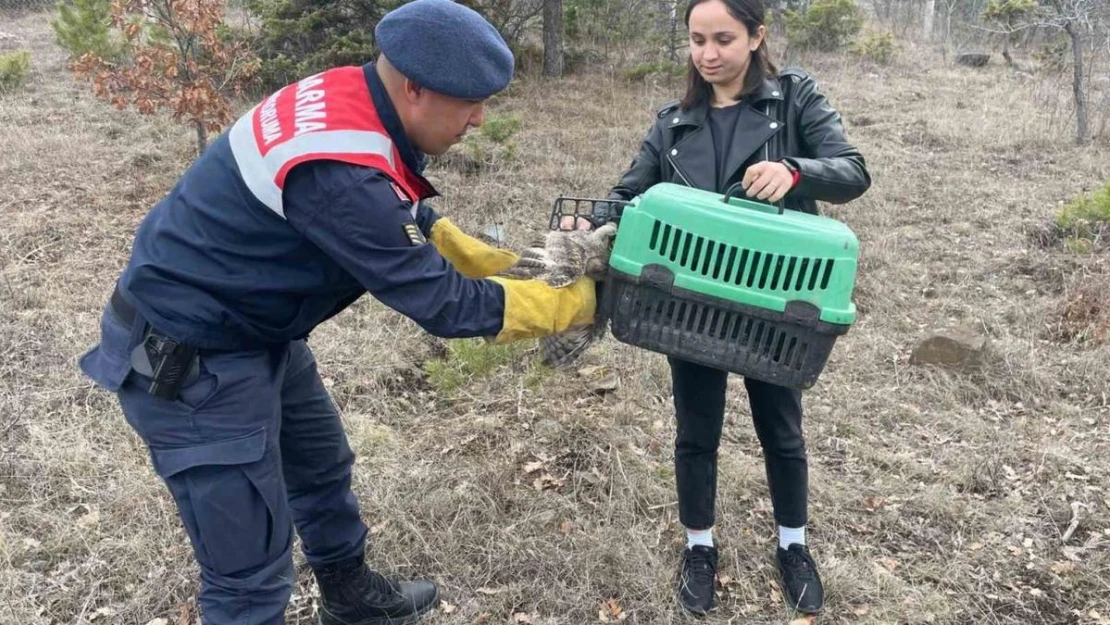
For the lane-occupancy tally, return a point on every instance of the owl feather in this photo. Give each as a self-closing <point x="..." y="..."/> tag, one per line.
<point x="564" y="257"/>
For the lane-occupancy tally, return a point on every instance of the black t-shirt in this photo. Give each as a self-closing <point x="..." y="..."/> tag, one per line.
<point x="722" y="124"/>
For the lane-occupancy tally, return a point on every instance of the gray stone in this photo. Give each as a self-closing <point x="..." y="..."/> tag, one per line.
<point x="960" y="348"/>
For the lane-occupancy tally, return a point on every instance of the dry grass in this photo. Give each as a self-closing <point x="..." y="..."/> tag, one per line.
<point x="936" y="498"/>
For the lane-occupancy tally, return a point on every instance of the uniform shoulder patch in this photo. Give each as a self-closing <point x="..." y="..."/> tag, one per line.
<point x="416" y="237"/>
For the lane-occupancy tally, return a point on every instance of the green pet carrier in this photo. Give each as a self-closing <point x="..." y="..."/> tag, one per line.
<point x="730" y="283"/>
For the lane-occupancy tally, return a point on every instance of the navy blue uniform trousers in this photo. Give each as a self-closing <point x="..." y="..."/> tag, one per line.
<point x="249" y="451"/>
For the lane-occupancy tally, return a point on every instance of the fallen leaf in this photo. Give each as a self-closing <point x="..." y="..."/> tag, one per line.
<point x="611" y="612"/>
<point x="527" y="619"/>
<point x="1061" y="568"/>
<point x="547" y="481"/>
<point x="449" y="608"/>
<point x="607" y="384"/>
<point x="874" y="502"/>
<point x="91" y="519"/>
<point x="887" y="563"/>
<point x="861" y="610"/>
<point x="532" y="467"/>
<point x="808" y="619"/>
<point x="975" y="546"/>
<point x="159" y="621"/>
<point x="377" y="529"/>
<point x="724" y="580"/>
<point x="185" y="614"/>
<point x="590" y="371"/>
<point x="489" y="591"/>
<point x="566" y="527"/>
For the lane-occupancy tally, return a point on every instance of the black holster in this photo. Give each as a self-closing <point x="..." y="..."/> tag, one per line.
<point x="172" y="365"/>
<point x="169" y="364"/>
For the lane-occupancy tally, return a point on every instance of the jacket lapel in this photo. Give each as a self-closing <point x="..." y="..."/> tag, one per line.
<point x="692" y="156"/>
<point x="754" y="128"/>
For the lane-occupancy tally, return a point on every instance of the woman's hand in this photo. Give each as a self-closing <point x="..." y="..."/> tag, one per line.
<point x="768" y="181"/>
<point x="567" y="223"/>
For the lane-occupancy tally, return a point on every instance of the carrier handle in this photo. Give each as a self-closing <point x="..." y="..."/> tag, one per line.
<point x="759" y="206"/>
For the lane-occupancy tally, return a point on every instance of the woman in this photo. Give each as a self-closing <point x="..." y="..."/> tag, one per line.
<point x="742" y="120"/>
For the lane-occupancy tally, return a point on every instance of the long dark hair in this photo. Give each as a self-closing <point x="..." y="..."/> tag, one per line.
<point x="751" y="14"/>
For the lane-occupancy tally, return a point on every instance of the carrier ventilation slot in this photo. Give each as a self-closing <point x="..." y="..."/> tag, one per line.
<point x="739" y="266"/>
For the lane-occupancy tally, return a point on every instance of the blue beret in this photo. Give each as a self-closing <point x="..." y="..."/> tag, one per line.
<point x="446" y="47"/>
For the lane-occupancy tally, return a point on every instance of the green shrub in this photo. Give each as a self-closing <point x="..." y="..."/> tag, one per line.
<point x="14" y="68"/>
<point x="875" y="46"/>
<point x="1086" y="220"/>
<point x="85" y="27"/>
<point x="470" y="359"/>
<point x="500" y="129"/>
<point x="827" y="25"/>
<point x="662" y="68"/>
<point x="1008" y="12"/>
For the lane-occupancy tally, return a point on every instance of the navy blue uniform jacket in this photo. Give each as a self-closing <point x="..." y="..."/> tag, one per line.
<point x="213" y="267"/>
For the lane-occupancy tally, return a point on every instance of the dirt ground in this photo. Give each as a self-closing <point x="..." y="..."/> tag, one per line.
<point x="936" y="496"/>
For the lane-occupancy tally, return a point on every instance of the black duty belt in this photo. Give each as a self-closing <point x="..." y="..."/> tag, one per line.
<point x="123" y="308"/>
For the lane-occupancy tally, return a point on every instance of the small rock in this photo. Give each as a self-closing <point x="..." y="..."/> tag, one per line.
<point x="958" y="348"/>
<point x="606" y="384"/>
<point x="547" y="428"/>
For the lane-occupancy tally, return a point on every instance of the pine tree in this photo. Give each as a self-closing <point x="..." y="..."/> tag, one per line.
<point x="85" y="26"/>
<point x="303" y="37"/>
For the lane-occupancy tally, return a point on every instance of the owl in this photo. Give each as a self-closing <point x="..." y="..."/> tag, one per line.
<point x="564" y="257"/>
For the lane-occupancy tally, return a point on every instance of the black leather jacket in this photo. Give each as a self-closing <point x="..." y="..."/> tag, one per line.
<point x="786" y="119"/>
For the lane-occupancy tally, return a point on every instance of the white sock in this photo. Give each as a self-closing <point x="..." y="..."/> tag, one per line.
<point x="699" y="537"/>
<point x="791" y="535"/>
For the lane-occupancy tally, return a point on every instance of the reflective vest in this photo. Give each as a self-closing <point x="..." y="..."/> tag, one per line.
<point x="216" y="264"/>
<point x="326" y="116"/>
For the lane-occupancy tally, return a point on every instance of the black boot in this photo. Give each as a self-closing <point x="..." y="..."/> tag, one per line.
<point x="699" y="574"/>
<point x="800" y="579"/>
<point x="352" y="594"/>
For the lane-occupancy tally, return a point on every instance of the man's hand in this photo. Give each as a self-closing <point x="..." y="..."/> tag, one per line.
<point x="767" y="181"/>
<point x="567" y="223"/>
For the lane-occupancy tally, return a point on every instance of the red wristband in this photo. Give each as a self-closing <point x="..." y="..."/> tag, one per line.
<point x="797" y="177"/>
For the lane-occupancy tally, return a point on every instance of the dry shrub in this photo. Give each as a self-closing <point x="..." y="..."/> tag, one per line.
<point x="1085" y="314"/>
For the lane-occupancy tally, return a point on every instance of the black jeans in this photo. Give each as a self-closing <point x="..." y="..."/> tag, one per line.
<point x="699" y="398"/>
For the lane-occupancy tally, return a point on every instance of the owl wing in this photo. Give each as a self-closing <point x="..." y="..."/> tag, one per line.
<point x="533" y="262"/>
<point x="563" y="349"/>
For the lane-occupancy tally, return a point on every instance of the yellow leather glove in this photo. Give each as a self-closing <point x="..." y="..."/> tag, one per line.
<point x="471" y="257"/>
<point x="533" y="309"/>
